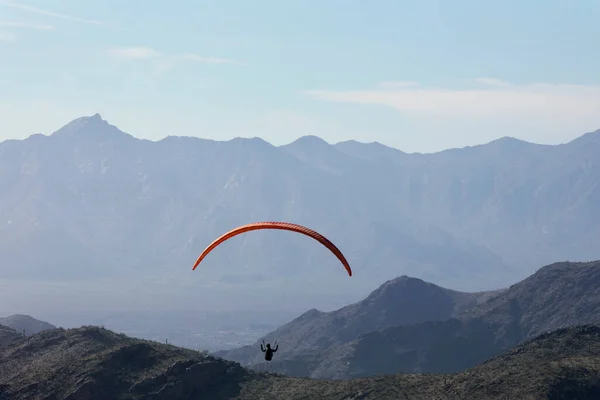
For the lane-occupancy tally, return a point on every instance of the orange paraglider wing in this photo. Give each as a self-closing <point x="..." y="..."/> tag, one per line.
<point x="285" y="226"/>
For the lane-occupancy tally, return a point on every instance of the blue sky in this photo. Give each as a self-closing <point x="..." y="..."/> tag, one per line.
<point x="416" y="75"/>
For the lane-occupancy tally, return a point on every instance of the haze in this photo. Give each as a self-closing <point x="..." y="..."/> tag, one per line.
<point x="134" y="133"/>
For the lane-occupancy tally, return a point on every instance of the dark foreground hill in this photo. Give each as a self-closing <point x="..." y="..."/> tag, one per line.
<point x="8" y="335"/>
<point x="92" y="363"/>
<point x="558" y="295"/>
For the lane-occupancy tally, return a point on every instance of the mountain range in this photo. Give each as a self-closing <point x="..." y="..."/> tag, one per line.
<point x="94" y="205"/>
<point x="411" y="326"/>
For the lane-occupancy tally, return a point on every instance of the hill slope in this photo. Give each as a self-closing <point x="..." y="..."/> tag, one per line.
<point x="91" y="363"/>
<point x="411" y="326"/>
<point x="26" y="324"/>
<point x="8" y="335"/>
<point x="401" y="301"/>
<point x="557" y="296"/>
<point x="559" y="365"/>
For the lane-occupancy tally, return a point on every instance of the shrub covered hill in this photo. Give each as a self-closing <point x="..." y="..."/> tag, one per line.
<point x="408" y="325"/>
<point x="92" y="363"/>
<point x="16" y="327"/>
<point x="8" y="335"/>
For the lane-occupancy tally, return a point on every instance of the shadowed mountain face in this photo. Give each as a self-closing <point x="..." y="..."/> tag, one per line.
<point x="486" y="324"/>
<point x="557" y="296"/>
<point x="92" y="204"/>
<point x="401" y="301"/>
<point x="96" y="203"/>
<point x="529" y="203"/>
<point x="90" y="363"/>
<point x="25" y="324"/>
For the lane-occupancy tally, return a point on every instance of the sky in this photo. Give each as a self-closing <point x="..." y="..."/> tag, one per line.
<point x="420" y="76"/>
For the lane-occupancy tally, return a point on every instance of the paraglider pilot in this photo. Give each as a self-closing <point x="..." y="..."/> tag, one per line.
<point x="268" y="350"/>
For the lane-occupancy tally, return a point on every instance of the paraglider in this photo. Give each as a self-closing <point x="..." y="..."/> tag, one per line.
<point x="268" y="350"/>
<point x="286" y="226"/>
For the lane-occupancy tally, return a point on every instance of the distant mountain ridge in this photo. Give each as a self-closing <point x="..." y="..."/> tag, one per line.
<point x="26" y="324"/>
<point x="471" y="219"/>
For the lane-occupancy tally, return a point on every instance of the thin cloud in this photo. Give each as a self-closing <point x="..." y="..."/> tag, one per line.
<point x="25" y="25"/>
<point x="36" y="10"/>
<point x="492" y="82"/>
<point x="498" y="99"/>
<point x="436" y="118"/>
<point x="135" y="53"/>
<point x="210" y="60"/>
<point x="166" y="61"/>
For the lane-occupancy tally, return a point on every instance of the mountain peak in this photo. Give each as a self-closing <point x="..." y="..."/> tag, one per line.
<point x="91" y="127"/>
<point x="507" y="139"/>
<point x="403" y="290"/>
<point x="252" y="141"/>
<point x="310" y="314"/>
<point x="508" y="143"/>
<point x="312" y="147"/>
<point x="95" y="119"/>
<point x="318" y="152"/>
<point x="373" y="145"/>
<point x="370" y="150"/>
<point x="309" y="141"/>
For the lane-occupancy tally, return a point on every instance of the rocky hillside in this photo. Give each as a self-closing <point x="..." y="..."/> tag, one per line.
<point x="91" y="363"/>
<point x="9" y="335"/>
<point x="401" y="301"/>
<point x="26" y="324"/>
<point x="559" y="365"/>
<point x="557" y="296"/>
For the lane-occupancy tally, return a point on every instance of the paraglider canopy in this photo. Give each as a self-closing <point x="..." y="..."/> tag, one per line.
<point x="286" y="226"/>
